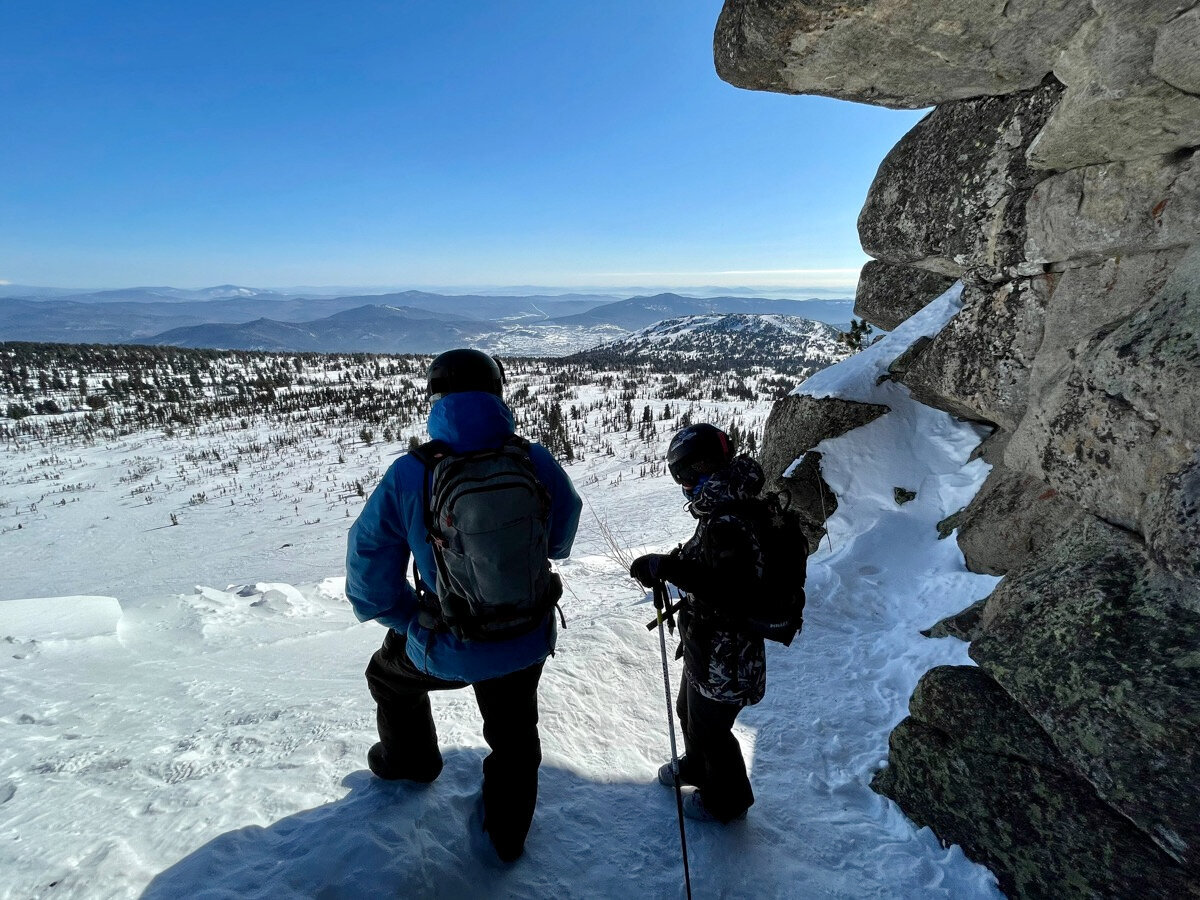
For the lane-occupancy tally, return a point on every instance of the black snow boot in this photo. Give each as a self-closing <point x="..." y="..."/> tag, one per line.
<point x="385" y="765"/>
<point x="667" y="777"/>
<point x="694" y="808"/>
<point x="499" y="850"/>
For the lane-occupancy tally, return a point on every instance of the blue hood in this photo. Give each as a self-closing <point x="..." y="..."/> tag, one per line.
<point x="471" y="420"/>
<point x="391" y="530"/>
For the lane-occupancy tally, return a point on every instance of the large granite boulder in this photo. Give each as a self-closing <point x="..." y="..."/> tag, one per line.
<point x="1100" y="646"/>
<point x="1098" y="212"/>
<point x="1012" y="519"/>
<point x="902" y="55"/>
<point x="1115" y="107"/>
<point x="950" y="196"/>
<point x="1125" y="414"/>
<point x="798" y="423"/>
<point x="978" y="365"/>
<point x="1088" y="298"/>
<point x="970" y="763"/>
<point x="888" y="294"/>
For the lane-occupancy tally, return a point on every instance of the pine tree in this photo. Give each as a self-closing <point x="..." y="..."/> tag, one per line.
<point x="856" y="337"/>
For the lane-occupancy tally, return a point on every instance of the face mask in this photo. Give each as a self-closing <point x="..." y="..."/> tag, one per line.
<point x="694" y="492"/>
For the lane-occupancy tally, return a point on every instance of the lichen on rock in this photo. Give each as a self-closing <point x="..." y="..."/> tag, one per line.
<point x="973" y="765"/>
<point x="1096" y="642"/>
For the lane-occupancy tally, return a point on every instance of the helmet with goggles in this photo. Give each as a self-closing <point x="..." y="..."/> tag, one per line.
<point x="696" y="452"/>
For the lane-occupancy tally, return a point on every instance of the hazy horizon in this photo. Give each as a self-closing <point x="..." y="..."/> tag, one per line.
<point x="782" y="292"/>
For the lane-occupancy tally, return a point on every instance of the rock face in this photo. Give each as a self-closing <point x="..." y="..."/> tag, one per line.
<point x="1012" y="519"/>
<point x="1124" y="414"/>
<point x="1058" y="179"/>
<point x="1097" y="643"/>
<point x="946" y="205"/>
<point x="905" y="55"/>
<point x="1109" y="210"/>
<point x="889" y="294"/>
<point x="1087" y="298"/>
<point x="797" y="424"/>
<point x="1177" y="52"/>
<point x="1116" y="106"/>
<point x="978" y="366"/>
<point x="971" y="764"/>
<point x="1172" y="520"/>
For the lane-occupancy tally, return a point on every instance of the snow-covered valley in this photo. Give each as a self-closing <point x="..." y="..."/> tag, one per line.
<point x="183" y="712"/>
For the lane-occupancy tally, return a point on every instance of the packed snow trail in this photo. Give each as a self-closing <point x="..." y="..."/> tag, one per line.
<point x="212" y="744"/>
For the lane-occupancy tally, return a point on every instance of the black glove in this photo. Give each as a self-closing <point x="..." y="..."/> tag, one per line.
<point x="648" y="569"/>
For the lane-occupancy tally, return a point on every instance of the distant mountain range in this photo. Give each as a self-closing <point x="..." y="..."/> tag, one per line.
<point x="639" y="312"/>
<point x="363" y="329"/>
<point x="241" y="318"/>
<point x="787" y="344"/>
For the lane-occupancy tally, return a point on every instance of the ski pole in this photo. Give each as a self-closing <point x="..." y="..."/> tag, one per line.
<point x="669" y="615"/>
<point x="661" y="603"/>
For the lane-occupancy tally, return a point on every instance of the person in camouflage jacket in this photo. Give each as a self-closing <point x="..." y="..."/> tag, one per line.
<point x="725" y="669"/>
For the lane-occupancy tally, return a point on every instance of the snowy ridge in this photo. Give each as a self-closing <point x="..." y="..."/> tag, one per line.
<point x="742" y="339"/>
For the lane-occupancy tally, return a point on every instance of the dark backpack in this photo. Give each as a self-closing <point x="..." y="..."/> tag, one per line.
<point x="774" y="609"/>
<point x="487" y="518"/>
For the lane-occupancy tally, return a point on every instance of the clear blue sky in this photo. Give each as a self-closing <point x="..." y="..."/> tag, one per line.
<point x="443" y="142"/>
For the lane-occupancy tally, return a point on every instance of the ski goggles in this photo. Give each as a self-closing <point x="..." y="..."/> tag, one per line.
<point x="688" y="473"/>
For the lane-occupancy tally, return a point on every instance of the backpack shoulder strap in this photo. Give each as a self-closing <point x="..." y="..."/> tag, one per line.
<point x="430" y="452"/>
<point x="515" y="440"/>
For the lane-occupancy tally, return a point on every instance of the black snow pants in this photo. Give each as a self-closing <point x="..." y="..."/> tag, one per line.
<point x="510" y="726"/>
<point x="712" y="756"/>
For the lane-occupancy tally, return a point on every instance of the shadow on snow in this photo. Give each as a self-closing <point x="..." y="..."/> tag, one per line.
<point x="395" y="839"/>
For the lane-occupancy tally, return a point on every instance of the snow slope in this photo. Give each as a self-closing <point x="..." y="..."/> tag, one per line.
<point x="791" y="343"/>
<point x="209" y="742"/>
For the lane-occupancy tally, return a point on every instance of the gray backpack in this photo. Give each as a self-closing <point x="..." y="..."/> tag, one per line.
<point x="487" y="517"/>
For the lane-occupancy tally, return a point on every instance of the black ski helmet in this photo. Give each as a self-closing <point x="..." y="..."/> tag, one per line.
<point x="697" y="451"/>
<point x="464" y="370"/>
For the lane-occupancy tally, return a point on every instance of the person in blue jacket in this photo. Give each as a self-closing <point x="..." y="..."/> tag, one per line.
<point x="468" y="413"/>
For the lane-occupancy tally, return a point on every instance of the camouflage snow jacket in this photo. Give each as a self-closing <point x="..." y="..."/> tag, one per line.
<point x="717" y="567"/>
